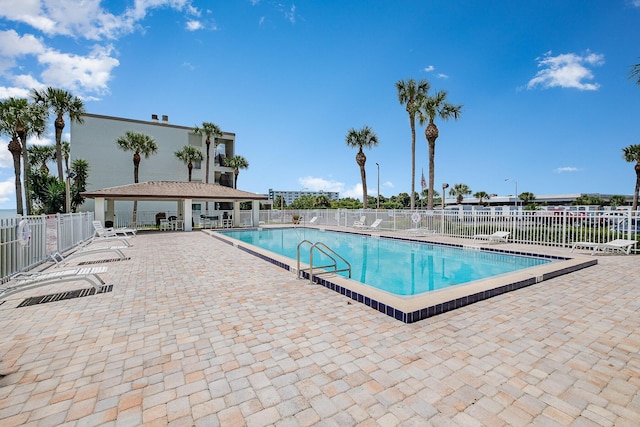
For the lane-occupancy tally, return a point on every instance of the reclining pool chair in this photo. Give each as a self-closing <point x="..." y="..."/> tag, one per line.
<point x="111" y="232"/>
<point x="25" y="281"/>
<point x="361" y="222"/>
<point x="623" y="246"/>
<point x="497" y="237"/>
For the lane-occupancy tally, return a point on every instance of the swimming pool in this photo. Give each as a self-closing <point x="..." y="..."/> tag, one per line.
<point x="421" y="305"/>
<point x="396" y="266"/>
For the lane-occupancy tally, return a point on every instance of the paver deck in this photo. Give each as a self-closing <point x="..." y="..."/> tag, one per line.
<point x="196" y="332"/>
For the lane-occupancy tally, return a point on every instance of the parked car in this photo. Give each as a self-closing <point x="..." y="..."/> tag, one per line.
<point x="623" y="226"/>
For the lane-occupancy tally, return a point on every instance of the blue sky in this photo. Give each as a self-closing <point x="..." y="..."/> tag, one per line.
<point x="547" y="99"/>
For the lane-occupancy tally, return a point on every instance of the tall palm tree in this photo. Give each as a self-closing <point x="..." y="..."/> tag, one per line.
<point x="189" y="154"/>
<point x="431" y="107"/>
<point x="140" y="144"/>
<point x="408" y="94"/>
<point x="631" y="154"/>
<point x="459" y="190"/>
<point x="66" y="150"/>
<point x="237" y="163"/>
<point x="18" y="120"/>
<point x="363" y="138"/>
<point x="60" y="102"/>
<point x="210" y="130"/>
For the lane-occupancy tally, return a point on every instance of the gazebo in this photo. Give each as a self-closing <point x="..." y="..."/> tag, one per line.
<point x="183" y="193"/>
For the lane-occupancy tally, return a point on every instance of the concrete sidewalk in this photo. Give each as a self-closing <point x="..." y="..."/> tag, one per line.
<point x="197" y="332"/>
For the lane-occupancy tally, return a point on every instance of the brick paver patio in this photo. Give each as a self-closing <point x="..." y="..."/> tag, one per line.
<point x="196" y="332"/>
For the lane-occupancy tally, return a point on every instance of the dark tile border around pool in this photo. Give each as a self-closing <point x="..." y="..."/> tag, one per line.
<point x="434" y="310"/>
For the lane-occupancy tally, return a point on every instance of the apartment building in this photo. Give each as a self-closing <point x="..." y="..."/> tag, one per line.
<point x="94" y="141"/>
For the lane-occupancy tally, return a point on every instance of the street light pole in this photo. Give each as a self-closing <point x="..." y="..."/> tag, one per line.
<point x="516" y="198"/>
<point x="444" y="187"/>
<point x="378" y="165"/>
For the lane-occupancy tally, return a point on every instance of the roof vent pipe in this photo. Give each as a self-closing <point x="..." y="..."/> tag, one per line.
<point x="154" y="118"/>
<point x="165" y="118"/>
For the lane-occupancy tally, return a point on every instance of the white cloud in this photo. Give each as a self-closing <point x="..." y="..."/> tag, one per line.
<point x="321" y="184"/>
<point x="442" y="76"/>
<point x="429" y="68"/>
<point x="83" y="73"/>
<point x="566" y="70"/>
<point x="16" y="92"/>
<point x="635" y="3"/>
<point x="6" y="158"/>
<point x="194" y="25"/>
<point x="79" y="73"/>
<point x="7" y="190"/>
<point x="566" y="169"/>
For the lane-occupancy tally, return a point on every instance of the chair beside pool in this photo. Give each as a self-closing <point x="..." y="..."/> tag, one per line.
<point x="497" y="237"/>
<point x="421" y="231"/>
<point x="373" y="225"/>
<point x="361" y="223"/>
<point x="622" y="246"/>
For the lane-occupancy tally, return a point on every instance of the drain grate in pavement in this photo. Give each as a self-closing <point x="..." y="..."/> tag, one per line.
<point x="78" y="293"/>
<point x="102" y="261"/>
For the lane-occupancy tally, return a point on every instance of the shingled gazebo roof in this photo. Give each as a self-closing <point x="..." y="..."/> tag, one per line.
<point x="173" y="190"/>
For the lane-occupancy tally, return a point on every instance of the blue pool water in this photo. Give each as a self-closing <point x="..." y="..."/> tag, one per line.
<point x="396" y="266"/>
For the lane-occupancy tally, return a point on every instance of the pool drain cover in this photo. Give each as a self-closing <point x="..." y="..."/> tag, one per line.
<point x="78" y="293"/>
<point x="102" y="261"/>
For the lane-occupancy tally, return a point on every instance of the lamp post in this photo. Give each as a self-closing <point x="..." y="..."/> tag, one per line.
<point x="378" y="204"/>
<point x="444" y="187"/>
<point x="70" y="176"/>
<point x="516" y="198"/>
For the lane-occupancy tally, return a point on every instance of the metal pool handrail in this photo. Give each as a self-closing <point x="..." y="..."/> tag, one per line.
<point x="328" y="252"/>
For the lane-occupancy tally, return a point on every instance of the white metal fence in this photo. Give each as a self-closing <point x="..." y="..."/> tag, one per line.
<point x="48" y="234"/>
<point x="549" y="227"/>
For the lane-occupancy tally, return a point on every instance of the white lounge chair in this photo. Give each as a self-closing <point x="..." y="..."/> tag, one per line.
<point x="111" y="232"/>
<point x="497" y="237"/>
<point x="422" y="231"/>
<point x="313" y="220"/>
<point x="614" y="246"/>
<point x="373" y="225"/>
<point x="25" y="281"/>
<point x="84" y="250"/>
<point x="361" y="223"/>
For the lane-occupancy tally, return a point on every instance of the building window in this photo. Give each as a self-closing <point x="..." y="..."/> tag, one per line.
<point x="197" y="165"/>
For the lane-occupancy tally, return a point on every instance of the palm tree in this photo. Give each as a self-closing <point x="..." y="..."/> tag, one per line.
<point x="189" y="154"/>
<point x="139" y="143"/>
<point x="631" y="154"/>
<point x="60" y="102"/>
<point x="18" y="120"/>
<point x="40" y="155"/>
<point x="81" y="169"/>
<point x="635" y="73"/>
<point x="408" y="93"/>
<point x="363" y="138"/>
<point x="431" y="107"/>
<point x="66" y="149"/>
<point x="237" y="163"/>
<point x="481" y="196"/>
<point x="460" y="190"/>
<point x="526" y="197"/>
<point x="210" y="130"/>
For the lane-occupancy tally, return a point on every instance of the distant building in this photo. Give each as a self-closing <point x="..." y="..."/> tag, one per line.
<point x="290" y="196"/>
<point x="543" y="199"/>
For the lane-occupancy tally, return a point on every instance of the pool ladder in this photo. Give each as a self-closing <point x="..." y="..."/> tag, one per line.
<point x="333" y="255"/>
